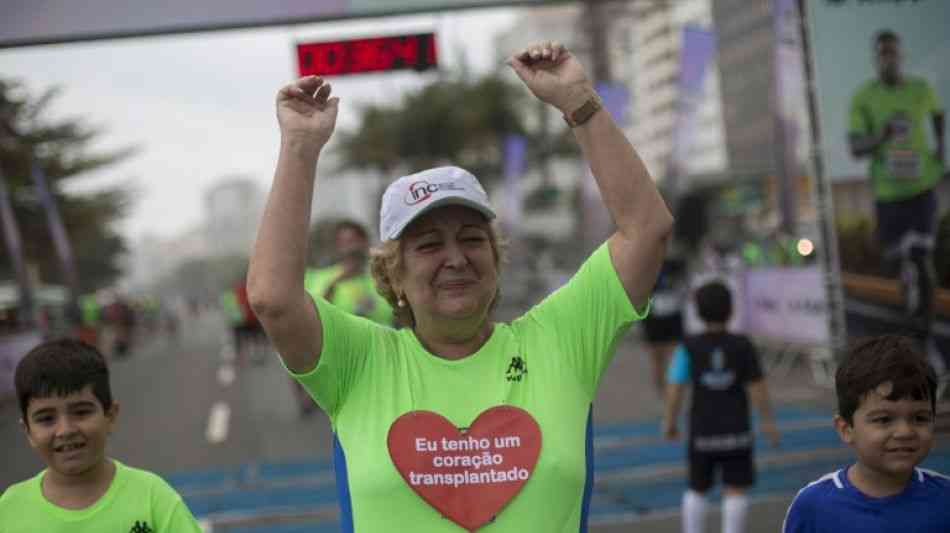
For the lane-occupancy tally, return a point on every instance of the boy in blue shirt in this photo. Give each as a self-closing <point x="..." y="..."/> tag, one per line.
<point x="886" y="406"/>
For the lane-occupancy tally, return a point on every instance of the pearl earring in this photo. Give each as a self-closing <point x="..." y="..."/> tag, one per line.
<point x="401" y="302"/>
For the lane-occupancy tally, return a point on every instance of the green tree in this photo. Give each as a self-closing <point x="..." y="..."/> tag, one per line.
<point x="62" y="147"/>
<point x="460" y="121"/>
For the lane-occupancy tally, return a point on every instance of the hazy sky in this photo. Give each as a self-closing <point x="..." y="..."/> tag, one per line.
<point x="201" y="106"/>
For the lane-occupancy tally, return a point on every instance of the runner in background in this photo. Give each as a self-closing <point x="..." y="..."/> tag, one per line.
<point x="121" y="319"/>
<point x="232" y="315"/>
<point x="90" y="314"/>
<point x="663" y="327"/>
<point x="346" y="284"/>
<point x="249" y="337"/>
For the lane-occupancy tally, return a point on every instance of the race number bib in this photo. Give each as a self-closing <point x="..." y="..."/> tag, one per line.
<point x="903" y="164"/>
<point x="468" y="476"/>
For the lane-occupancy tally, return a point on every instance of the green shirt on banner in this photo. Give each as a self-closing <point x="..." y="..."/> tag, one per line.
<point x="137" y="501"/>
<point x="547" y="363"/>
<point x="903" y="166"/>
<point x="356" y="295"/>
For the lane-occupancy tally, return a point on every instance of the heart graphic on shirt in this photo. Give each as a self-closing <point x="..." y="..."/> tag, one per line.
<point x="468" y="476"/>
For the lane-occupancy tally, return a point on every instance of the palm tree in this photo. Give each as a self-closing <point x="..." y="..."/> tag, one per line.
<point x="461" y="121"/>
<point x="62" y="149"/>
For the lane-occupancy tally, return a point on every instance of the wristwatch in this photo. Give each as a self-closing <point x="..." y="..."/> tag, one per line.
<point x="583" y="113"/>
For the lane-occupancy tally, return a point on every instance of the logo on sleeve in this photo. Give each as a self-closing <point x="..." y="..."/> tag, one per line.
<point x="141" y="527"/>
<point x="517" y="368"/>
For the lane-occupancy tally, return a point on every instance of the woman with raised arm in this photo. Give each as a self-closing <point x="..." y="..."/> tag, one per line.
<point x="456" y="422"/>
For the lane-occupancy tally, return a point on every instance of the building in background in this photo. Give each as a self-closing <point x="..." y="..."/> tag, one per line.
<point x="549" y="23"/>
<point x="653" y="76"/>
<point x="232" y="211"/>
<point x="746" y="67"/>
<point x="154" y="258"/>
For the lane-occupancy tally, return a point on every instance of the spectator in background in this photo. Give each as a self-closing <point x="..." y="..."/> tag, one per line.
<point x="663" y="328"/>
<point x="723" y="369"/>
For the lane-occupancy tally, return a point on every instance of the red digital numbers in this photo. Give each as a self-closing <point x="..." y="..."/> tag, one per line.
<point x="367" y="55"/>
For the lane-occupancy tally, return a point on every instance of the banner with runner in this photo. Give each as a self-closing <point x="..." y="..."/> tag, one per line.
<point x="881" y="85"/>
<point x="857" y="47"/>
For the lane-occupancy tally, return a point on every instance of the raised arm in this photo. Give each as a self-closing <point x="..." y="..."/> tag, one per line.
<point x="275" y="282"/>
<point x="643" y="221"/>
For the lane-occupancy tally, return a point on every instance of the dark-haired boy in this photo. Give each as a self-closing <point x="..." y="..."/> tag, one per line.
<point x="724" y="372"/>
<point x="886" y="406"/>
<point x="68" y="414"/>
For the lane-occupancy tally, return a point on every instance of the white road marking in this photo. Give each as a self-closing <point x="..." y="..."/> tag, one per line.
<point x="227" y="353"/>
<point x="226" y="375"/>
<point x="218" y="423"/>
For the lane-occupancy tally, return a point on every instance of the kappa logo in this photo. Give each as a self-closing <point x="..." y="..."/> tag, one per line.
<point x="420" y="191"/>
<point x="517" y="368"/>
<point x="141" y="527"/>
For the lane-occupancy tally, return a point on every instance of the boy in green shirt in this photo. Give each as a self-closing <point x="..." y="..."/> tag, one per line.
<point x="68" y="414"/>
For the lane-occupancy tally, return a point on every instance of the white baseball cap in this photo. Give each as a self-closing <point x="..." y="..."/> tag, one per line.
<point x="410" y="196"/>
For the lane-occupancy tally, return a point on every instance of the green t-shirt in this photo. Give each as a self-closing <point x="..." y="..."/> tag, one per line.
<point x="905" y="165"/>
<point x="356" y="295"/>
<point x="137" y="501"/>
<point x="548" y="362"/>
<point x="89" y="308"/>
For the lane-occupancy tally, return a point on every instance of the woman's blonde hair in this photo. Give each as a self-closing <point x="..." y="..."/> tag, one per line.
<point x="386" y="266"/>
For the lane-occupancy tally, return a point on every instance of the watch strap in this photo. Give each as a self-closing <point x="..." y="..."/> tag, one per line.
<point x="582" y="114"/>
